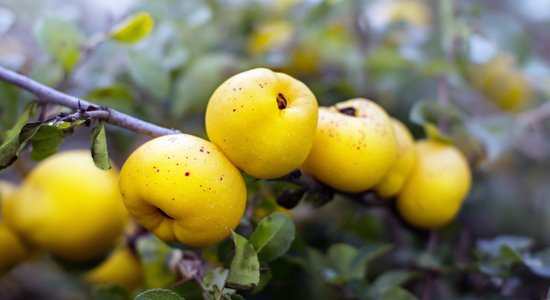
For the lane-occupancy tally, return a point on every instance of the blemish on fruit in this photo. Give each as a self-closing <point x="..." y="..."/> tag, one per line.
<point x="281" y="101"/>
<point x="221" y="178"/>
<point x="186" y="173"/>
<point x="350" y="111"/>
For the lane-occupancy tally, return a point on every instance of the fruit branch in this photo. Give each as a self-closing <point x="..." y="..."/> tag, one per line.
<point x="46" y="94"/>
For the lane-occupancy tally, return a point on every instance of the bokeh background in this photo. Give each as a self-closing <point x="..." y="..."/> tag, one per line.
<point x="483" y="65"/>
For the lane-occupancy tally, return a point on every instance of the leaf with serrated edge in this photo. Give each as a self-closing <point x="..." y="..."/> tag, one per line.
<point x="133" y="28"/>
<point x="11" y="145"/>
<point x="273" y="236"/>
<point x="99" y="147"/>
<point x="158" y="294"/>
<point x="244" y="272"/>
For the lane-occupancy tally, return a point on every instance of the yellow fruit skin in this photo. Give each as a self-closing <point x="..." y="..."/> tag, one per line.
<point x="352" y="153"/>
<point x="7" y="189"/>
<point x="500" y="81"/>
<point x="68" y="206"/>
<point x="182" y="188"/>
<point x="404" y="163"/>
<point x="121" y="268"/>
<point x="12" y="250"/>
<point x="243" y="118"/>
<point x="268" y="36"/>
<point x="434" y="192"/>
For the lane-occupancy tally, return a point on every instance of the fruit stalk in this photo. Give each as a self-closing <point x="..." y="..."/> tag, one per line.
<point x="48" y="95"/>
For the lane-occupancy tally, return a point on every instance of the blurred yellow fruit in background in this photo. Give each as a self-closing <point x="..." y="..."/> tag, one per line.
<point x="121" y="268"/>
<point x="501" y="82"/>
<point x="67" y="206"/>
<point x="269" y="35"/>
<point x="434" y="192"/>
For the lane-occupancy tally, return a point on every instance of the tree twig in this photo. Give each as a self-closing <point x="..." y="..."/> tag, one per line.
<point x="48" y="95"/>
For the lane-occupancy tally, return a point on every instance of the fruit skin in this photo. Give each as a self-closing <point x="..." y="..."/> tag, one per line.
<point x="502" y="83"/>
<point x="68" y="206"/>
<point x="182" y="188"/>
<point x="269" y="35"/>
<point x="404" y="162"/>
<point x="12" y="249"/>
<point x="352" y="153"/>
<point x="121" y="268"/>
<point x="243" y="118"/>
<point x="434" y="192"/>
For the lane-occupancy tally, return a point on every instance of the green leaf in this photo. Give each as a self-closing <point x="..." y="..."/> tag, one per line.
<point x="133" y="28"/>
<point x="341" y="257"/>
<point x="9" y="96"/>
<point x="493" y="247"/>
<point x="214" y="281"/>
<point x="48" y="73"/>
<point x="273" y="236"/>
<point x="265" y="277"/>
<point x="397" y="293"/>
<point x="369" y="252"/>
<point x="62" y="40"/>
<point x="147" y="73"/>
<point x="208" y="72"/>
<point x="389" y="280"/>
<point x="46" y="141"/>
<point x="109" y="293"/>
<point x="430" y="113"/>
<point x="158" y="294"/>
<point x="12" y="145"/>
<point x="539" y="263"/>
<point x="244" y="272"/>
<point x="117" y="96"/>
<point x="99" y="147"/>
<point x="154" y="255"/>
<point x="497" y="134"/>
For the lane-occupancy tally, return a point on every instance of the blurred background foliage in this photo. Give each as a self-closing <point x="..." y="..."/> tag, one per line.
<point x="482" y="66"/>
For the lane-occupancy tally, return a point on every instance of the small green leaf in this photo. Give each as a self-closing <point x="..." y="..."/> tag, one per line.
<point x="397" y="293"/>
<point x="46" y="141"/>
<point x="147" y="73"/>
<point x="244" y="273"/>
<point x="9" y="96"/>
<point x="99" y="147"/>
<point x="117" y="96"/>
<point x="493" y="247"/>
<point x="430" y="114"/>
<point x="207" y="71"/>
<point x="62" y="40"/>
<point x="133" y="28"/>
<point x="215" y="280"/>
<point x="154" y="255"/>
<point x="539" y="263"/>
<point x="265" y="277"/>
<point x="497" y="134"/>
<point x="389" y="280"/>
<point x="12" y="145"/>
<point x="341" y="257"/>
<point x="158" y="294"/>
<point x="109" y="293"/>
<point x="369" y="252"/>
<point x="273" y="236"/>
